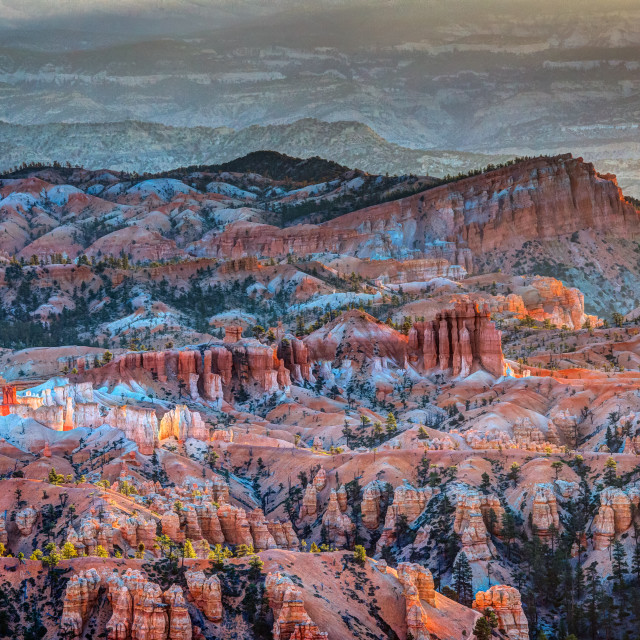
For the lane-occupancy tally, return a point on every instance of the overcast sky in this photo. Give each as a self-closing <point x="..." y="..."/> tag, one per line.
<point x="174" y="16"/>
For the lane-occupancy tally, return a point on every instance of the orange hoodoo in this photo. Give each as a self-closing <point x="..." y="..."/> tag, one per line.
<point x="9" y="397"/>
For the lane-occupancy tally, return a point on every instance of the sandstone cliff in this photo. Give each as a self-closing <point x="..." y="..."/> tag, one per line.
<point x="506" y="602"/>
<point x="542" y="198"/>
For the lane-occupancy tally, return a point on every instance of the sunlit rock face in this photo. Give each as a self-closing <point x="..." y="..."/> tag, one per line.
<point x="506" y="602"/>
<point x="207" y="594"/>
<point x="291" y="620"/>
<point x="544" y="511"/>
<point x="458" y="339"/>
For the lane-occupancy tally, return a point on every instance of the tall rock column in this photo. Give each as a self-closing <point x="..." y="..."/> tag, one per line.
<point x="443" y="345"/>
<point x="507" y="604"/>
<point x="340" y="529"/>
<point x="80" y="597"/>
<point x="544" y="511"/>
<point x="179" y="621"/>
<point x="207" y="594"/>
<point x="429" y="348"/>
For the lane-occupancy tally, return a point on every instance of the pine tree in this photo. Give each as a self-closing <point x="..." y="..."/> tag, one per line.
<point x="423" y="471"/>
<point x="493" y="521"/>
<point x="609" y="439"/>
<point x="593" y="587"/>
<point x="579" y="582"/>
<point x="54" y="477"/>
<point x="347" y="433"/>
<point x="188" y="551"/>
<point x="391" y="424"/>
<point x="610" y="477"/>
<point x="219" y="554"/>
<point x="635" y="562"/>
<point x="360" y="555"/>
<point x="243" y="550"/>
<point x="485" y="485"/>
<point x="514" y="473"/>
<point x="255" y="566"/>
<point x="462" y="577"/>
<point x="508" y="530"/>
<point x="619" y="566"/>
<point x="483" y="629"/>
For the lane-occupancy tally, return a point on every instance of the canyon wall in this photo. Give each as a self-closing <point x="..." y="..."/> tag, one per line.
<point x="538" y="199"/>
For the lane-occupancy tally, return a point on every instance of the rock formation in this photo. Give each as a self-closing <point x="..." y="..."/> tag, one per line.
<point x="621" y="505"/>
<point x="342" y="498"/>
<point x="181" y="423"/>
<point x="320" y="479"/>
<point x="149" y="616"/>
<point x="200" y="519"/>
<point x="292" y="622"/>
<point x="309" y="506"/>
<point x="95" y="529"/>
<point x="179" y="620"/>
<point x="470" y="525"/>
<point x="613" y="517"/>
<point x="544" y="511"/>
<point x="60" y="408"/>
<point x="9" y="394"/>
<point x="506" y="603"/>
<point x="262" y="538"/>
<point x="420" y="577"/>
<point x="417" y="585"/>
<point x="170" y="523"/>
<point x="339" y="527"/>
<point x="139" y="425"/>
<point x="80" y="596"/>
<point x="141" y="611"/>
<point x="208" y="374"/>
<point x="546" y="298"/>
<point x="295" y="358"/>
<point x="25" y="519"/>
<point x="370" y="506"/>
<point x="207" y="594"/>
<point x="234" y="525"/>
<point x="564" y="422"/>
<point x="603" y="527"/>
<point x="493" y="521"/>
<point x="458" y="339"/>
<point x="137" y="529"/>
<point x="283" y="534"/>
<point x="408" y="502"/>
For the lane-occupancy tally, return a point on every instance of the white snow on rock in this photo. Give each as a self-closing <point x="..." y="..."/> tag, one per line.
<point x="234" y="315"/>
<point x="226" y="189"/>
<point x="22" y="200"/>
<point x="165" y="188"/>
<point x="338" y="299"/>
<point x="60" y="194"/>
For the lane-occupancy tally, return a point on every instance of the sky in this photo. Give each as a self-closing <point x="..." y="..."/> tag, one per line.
<point x="479" y="76"/>
<point x="173" y="16"/>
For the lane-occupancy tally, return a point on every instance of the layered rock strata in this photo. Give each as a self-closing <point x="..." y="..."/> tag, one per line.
<point x="207" y="594"/>
<point x="459" y="340"/>
<point x="292" y="622"/>
<point x="507" y="604"/>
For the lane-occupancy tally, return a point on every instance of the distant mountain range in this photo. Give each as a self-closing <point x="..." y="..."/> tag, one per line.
<point x="143" y="146"/>
<point x="504" y="83"/>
